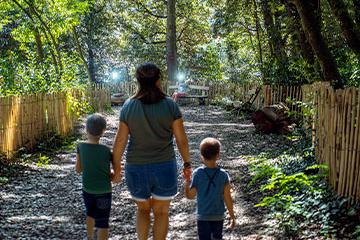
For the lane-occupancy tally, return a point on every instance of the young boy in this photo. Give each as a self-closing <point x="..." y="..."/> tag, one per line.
<point x="93" y="160"/>
<point x="211" y="185"/>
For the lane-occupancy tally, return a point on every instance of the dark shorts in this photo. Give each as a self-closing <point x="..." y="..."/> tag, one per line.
<point x="157" y="180"/>
<point x="210" y="230"/>
<point x="98" y="207"/>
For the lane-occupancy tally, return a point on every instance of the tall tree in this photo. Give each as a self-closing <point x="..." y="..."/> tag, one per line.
<point x="311" y="25"/>
<point x="347" y="25"/>
<point x="272" y="23"/>
<point x="299" y="39"/>
<point x="171" y="41"/>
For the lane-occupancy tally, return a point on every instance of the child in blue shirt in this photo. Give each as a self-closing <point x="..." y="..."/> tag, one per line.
<point x="211" y="186"/>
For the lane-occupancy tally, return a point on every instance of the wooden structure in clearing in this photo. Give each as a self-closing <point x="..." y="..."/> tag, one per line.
<point x="24" y="119"/>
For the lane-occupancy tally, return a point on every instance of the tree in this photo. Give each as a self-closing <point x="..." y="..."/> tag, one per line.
<point x="311" y="26"/>
<point x="171" y="58"/>
<point x="347" y="25"/>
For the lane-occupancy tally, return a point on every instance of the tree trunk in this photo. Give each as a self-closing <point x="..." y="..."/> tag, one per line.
<point x="89" y="39"/>
<point x="298" y="33"/>
<point x="171" y="41"/>
<point x="269" y="25"/>
<point x="347" y="25"/>
<point x="91" y="63"/>
<point x="277" y="48"/>
<point x="257" y="25"/>
<point x="39" y="45"/>
<point x="81" y="52"/>
<point x="311" y="26"/>
<point x="48" y="30"/>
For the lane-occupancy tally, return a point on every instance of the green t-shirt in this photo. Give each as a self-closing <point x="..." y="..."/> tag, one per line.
<point x="151" y="136"/>
<point x="95" y="165"/>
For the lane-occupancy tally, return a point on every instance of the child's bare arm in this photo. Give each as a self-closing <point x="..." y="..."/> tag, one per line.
<point x="116" y="175"/>
<point x="78" y="164"/>
<point x="229" y="204"/>
<point x="190" y="193"/>
<point x="119" y="146"/>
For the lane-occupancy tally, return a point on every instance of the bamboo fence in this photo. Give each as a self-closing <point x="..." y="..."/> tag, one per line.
<point x="237" y="92"/>
<point x="24" y="119"/>
<point x="337" y="125"/>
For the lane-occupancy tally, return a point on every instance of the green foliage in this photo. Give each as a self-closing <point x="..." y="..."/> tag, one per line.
<point x="79" y="106"/>
<point x="356" y="233"/>
<point x="298" y="196"/>
<point x="36" y="53"/>
<point x="42" y="155"/>
<point x="43" y="161"/>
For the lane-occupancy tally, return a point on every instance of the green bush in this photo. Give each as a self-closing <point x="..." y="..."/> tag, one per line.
<point x="298" y="197"/>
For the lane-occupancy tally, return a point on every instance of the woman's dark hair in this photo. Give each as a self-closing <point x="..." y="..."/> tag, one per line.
<point x="147" y="75"/>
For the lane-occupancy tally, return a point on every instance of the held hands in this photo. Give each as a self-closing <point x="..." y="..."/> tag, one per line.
<point x="187" y="171"/>
<point x="115" y="178"/>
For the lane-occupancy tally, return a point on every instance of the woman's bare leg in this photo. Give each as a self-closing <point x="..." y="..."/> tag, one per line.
<point x="143" y="219"/>
<point x="161" y="218"/>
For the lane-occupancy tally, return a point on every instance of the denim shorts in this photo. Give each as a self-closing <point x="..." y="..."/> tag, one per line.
<point x="157" y="180"/>
<point x="98" y="207"/>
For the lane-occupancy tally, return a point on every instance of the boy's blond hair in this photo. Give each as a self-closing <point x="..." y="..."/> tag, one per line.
<point x="210" y="148"/>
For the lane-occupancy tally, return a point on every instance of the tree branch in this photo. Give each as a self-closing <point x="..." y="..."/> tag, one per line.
<point x="149" y="11"/>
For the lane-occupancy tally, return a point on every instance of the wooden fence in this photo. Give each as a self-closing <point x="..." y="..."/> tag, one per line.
<point x="336" y="130"/>
<point x="24" y="119"/>
<point x="267" y="95"/>
<point x="337" y="125"/>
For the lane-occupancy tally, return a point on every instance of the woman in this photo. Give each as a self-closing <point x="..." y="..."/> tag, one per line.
<point x="151" y="119"/>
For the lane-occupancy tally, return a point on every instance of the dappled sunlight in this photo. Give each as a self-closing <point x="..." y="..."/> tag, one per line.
<point x="183" y="219"/>
<point x="197" y="124"/>
<point x="8" y="196"/>
<point x="57" y="184"/>
<point x="56" y="219"/>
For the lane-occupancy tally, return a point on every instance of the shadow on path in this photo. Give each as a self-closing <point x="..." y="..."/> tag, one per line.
<point x="46" y="203"/>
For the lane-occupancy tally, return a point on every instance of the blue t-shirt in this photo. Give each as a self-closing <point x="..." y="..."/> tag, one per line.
<point x="151" y="136"/>
<point x="209" y="184"/>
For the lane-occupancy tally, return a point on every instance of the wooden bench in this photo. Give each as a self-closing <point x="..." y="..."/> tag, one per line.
<point x="194" y="92"/>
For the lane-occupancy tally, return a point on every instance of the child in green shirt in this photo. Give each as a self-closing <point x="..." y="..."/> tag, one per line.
<point x="93" y="160"/>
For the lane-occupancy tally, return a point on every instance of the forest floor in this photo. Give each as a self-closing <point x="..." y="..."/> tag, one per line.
<point x="44" y="201"/>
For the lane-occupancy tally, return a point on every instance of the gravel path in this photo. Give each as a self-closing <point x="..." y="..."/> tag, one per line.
<point x="46" y="203"/>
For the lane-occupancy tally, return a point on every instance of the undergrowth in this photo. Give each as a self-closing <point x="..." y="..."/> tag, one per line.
<point x="41" y="155"/>
<point x="296" y="195"/>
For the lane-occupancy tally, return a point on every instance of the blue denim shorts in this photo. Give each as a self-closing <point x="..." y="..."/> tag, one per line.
<point x="98" y="206"/>
<point x="157" y="180"/>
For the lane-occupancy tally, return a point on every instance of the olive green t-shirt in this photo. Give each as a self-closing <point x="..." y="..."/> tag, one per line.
<point x="95" y="165"/>
<point x="151" y="135"/>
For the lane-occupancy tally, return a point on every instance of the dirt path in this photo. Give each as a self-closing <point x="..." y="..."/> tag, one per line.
<point x="46" y="203"/>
